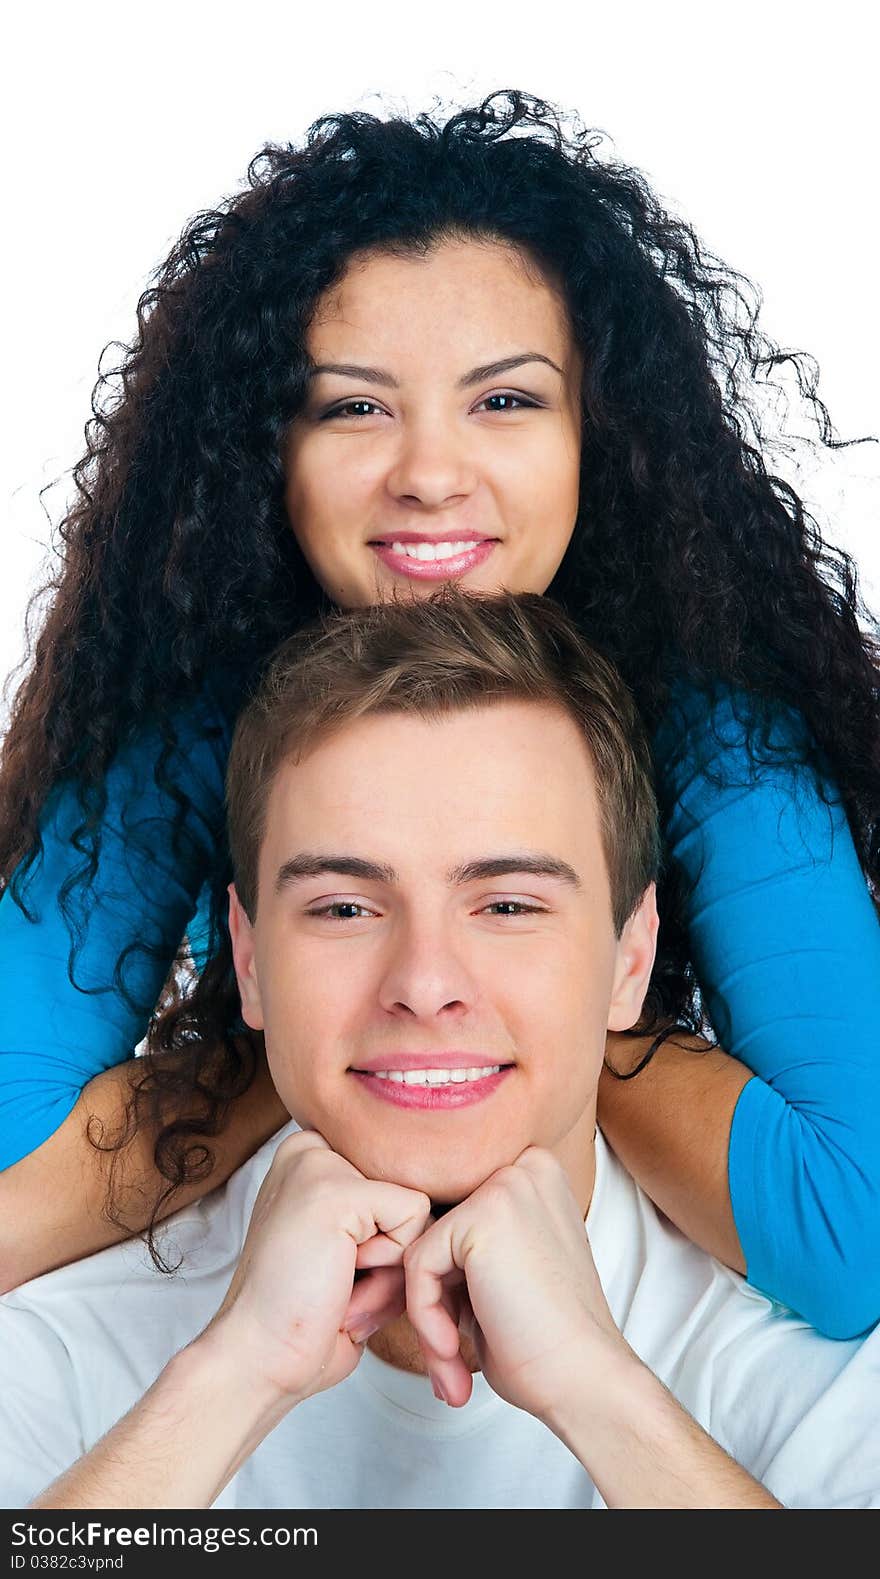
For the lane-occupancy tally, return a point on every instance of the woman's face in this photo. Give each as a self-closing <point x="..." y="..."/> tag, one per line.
<point x="440" y="439"/>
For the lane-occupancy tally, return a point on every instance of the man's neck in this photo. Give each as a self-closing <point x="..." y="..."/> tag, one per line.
<point x="397" y="1344"/>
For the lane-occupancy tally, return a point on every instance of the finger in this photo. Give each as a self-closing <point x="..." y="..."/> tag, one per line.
<point x="468" y="1325"/>
<point x="427" y="1303"/>
<point x="431" y="1272"/>
<point x="450" y="1376"/>
<point x="379" y="1296"/>
<point x="394" y="1211"/>
<point x="383" y="1250"/>
<point x="450" y="1296"/>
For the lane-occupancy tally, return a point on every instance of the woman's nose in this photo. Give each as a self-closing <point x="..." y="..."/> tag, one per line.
<point x="433" y="466"/>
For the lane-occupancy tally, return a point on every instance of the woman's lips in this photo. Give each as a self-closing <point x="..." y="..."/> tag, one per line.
<point x="432" y="1098"/>
<point x="434" y="569"/>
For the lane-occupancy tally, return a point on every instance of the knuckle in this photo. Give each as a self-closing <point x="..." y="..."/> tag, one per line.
<point x="304" y="1141"/>
<point x="538" y="1158"/>
<point x="495" y="1194"/>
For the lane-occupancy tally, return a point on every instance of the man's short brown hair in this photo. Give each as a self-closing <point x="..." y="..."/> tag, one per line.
<point x="429" y="657"/>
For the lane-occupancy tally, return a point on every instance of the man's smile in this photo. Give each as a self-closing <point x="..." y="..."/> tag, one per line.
<point x="435" y="1087"/>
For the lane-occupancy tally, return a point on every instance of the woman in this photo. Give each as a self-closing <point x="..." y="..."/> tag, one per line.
<point x="403" y="338"/>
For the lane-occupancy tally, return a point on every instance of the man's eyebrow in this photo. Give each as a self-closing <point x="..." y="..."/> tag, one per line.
<point x="477" y="375"/>
<point x="535" y="864"/>
<point x="307" y="865"/>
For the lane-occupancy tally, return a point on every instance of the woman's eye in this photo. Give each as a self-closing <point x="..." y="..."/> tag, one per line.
<point x="331" y="911"/>
<point x="350" y="410"/>
<point x="506" y="402"/>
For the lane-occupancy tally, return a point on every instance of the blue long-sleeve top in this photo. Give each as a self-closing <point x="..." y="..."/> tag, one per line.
<point x="784" y="938"/>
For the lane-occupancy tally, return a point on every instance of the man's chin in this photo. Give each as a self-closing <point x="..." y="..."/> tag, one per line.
<point x="446" y="1184"/>
<point x="445" y="1188"/>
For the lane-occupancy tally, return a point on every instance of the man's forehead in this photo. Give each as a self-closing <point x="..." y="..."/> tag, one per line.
<point x="513" y="766"/>
<point x="391" y="798"/>
<point x="459" y="742"/>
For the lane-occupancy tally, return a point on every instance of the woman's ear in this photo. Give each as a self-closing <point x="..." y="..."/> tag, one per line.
<point x="242" y="934"/>
<point x="636" y="949"/>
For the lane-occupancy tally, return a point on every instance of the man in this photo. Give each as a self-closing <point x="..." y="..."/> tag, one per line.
<point x="444" y="841"/>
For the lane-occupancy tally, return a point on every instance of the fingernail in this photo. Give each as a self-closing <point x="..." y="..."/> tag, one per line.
<point x="439" y="1394"/>
<point x="360" y="1331"/>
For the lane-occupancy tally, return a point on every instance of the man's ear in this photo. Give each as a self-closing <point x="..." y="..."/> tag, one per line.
<point x="242" y="933"/>
<point x="635" y="961"/>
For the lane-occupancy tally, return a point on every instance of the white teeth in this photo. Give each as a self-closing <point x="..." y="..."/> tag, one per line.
<point x="435" y="1077"/>
<point x="432" y="550"/>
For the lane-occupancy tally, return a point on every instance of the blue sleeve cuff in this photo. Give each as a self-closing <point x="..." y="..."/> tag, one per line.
<point x="806" y="1216"/>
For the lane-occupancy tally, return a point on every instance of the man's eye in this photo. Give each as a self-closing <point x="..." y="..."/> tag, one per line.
<point x="350" y="410"/>
<point x="515" y="907"/>
<point x="331" y="911"/>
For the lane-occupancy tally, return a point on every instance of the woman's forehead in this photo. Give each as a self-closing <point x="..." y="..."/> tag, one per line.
<point x="459" y="281"/>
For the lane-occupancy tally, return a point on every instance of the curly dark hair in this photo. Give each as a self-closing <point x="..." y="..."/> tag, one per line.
<point x="688" y="555"/>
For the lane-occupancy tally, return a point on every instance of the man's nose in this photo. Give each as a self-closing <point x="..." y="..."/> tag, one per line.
<point x="433" y="464"/>
<point x="426" y="974"/>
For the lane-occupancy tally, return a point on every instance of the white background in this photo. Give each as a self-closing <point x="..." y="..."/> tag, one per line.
<point x="758" y="123"/>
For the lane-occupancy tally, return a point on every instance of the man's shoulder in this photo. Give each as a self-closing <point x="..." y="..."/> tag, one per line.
<point x="639" y="1249"/>
<point x="636" y="1246"/>
<point x="770" y="1388"/>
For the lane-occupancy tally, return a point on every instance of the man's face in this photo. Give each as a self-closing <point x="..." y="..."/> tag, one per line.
<point x="433" y="894"/>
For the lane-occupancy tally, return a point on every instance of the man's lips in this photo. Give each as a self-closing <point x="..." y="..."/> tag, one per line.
<point x="429" y="1097"/>
<point x="439" y="1060"/>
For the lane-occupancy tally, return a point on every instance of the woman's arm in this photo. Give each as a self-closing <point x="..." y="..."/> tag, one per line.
<point x="783" y="1167"/>
<point x="66" y="1053"/>
<point x="670" y="1127"/>
<point x="59" y="1191"/>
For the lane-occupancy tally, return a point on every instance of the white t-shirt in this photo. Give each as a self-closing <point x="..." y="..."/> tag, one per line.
<point x="80" y="1345"/>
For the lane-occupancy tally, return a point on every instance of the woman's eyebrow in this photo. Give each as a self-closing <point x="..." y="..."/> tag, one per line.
<point x="378" y="375"/>
<point x="370" y="375"/>
<point x="495" y="369"/>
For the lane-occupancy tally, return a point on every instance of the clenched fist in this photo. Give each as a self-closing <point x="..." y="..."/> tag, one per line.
<point x="293" y="1309"/>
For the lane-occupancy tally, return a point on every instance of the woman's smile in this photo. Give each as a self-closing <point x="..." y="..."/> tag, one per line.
<point x="447" y="557"/>
<point x="440" y="440"/>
